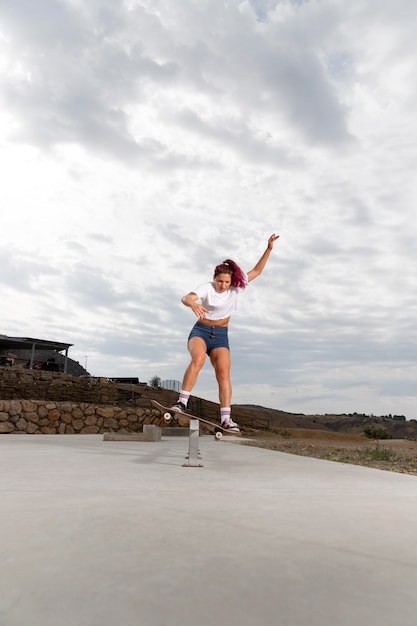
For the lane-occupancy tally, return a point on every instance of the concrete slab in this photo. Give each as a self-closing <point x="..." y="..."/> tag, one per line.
<point x="150" y="432"/>
<point x="100" y="533"/>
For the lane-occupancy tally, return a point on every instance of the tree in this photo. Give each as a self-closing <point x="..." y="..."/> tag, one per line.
<point x="155" y="381"/>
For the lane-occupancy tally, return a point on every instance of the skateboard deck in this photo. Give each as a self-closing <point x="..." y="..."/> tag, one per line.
<point x="169" y="413"/>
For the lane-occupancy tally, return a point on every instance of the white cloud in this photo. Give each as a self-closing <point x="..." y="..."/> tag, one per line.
<point x="141" y="143"/>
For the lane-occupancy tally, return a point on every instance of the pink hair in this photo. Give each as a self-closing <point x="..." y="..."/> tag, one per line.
<point x="228" y="266"/>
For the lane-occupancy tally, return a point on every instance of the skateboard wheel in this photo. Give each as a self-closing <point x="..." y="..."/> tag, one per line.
<point x="218" y="435"/>
<point x="167" y="417"/>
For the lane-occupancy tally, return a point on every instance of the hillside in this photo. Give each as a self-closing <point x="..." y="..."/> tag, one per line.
<point x="354" y="424"/>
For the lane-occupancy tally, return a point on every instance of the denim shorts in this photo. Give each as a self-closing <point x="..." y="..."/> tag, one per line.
<point x="213" y="336"/>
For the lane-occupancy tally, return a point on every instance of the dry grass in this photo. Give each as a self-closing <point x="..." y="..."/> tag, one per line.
<point x="394" y="455"/>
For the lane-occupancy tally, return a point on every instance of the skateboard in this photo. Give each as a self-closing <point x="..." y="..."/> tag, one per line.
<point x="170" y="413"/>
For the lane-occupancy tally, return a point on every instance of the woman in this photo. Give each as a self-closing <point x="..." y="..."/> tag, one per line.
<point x="213" y="304"/>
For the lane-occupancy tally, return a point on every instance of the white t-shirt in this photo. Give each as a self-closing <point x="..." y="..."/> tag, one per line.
<point x="218" y="305"/>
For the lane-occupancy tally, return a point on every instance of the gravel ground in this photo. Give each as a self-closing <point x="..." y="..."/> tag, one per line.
<point x="394" y="455"/>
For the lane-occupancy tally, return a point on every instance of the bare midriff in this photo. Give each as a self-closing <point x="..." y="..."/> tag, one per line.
<point x="223" y="322"/>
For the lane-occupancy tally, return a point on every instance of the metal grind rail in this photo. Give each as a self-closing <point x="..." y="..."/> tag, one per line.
<point x="193" y="456"/>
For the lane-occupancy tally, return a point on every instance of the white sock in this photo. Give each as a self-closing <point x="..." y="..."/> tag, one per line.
<point x="184" y="396"/>
<point x="225" y="413"/>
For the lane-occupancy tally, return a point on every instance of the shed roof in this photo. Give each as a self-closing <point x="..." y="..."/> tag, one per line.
<point x="27" y="343"/>
<point x="32" y="344"/>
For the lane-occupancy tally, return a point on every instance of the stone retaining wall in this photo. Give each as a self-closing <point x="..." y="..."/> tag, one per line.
<point x="46" y="417"/>
<point x="17" y="383"/>
<point x="42" y="402"/>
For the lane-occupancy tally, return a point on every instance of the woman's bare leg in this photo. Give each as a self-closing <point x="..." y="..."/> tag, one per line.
<point x="197" y="349"/>
<point x="220" y="360"/>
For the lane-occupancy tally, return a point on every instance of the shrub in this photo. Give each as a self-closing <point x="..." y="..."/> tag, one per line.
<point x="379" y="454"/>
<point x="375" y="432"/>
<point x="282" y="432"/>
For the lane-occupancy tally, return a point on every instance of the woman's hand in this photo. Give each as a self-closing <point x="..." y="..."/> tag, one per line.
<point x="253" y="273"/>
<point x="271" y="241"/>
<point x="199" y="310"/>
<point x="191" y="300"/>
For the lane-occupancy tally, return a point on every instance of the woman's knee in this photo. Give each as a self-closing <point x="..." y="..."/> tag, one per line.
<point x="223" y="374"/>
<point x="197" y="350"/>
<point x="197" y="361"/>
<point x="222" y="370"/>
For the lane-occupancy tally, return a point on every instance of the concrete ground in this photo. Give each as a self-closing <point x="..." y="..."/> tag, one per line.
<point x="97" y="533"/>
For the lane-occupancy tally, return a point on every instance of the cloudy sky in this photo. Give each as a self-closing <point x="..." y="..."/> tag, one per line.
<point x="144" y="141"/>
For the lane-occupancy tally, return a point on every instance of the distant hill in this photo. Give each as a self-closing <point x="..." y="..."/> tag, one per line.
<point x="396" y="427"/>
